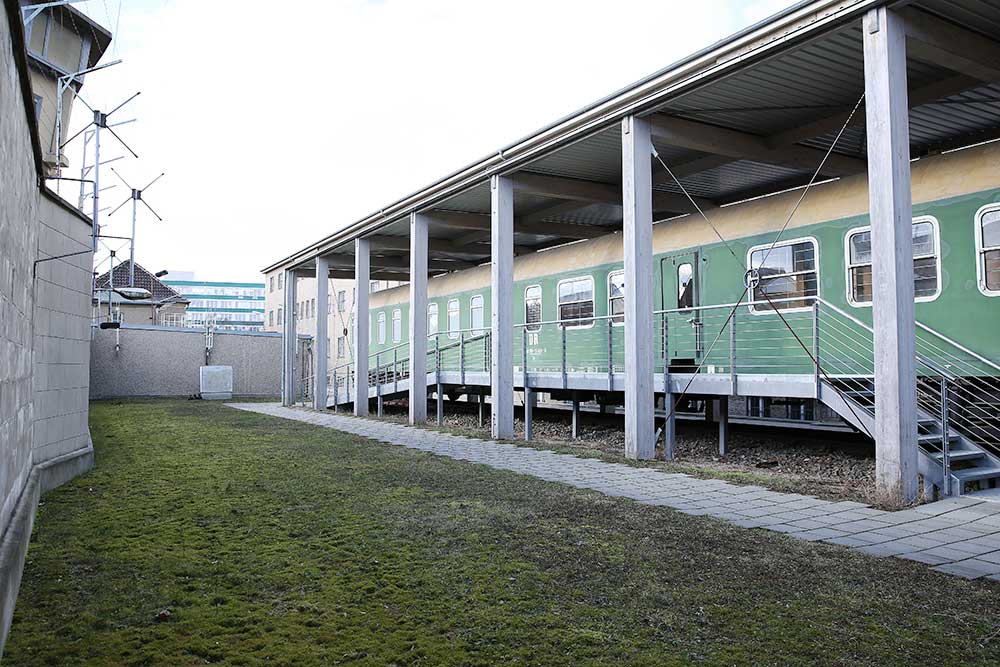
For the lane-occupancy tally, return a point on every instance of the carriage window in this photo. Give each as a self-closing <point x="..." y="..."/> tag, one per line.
<point x="341" y="301"/>
<point x="476" y="305"/>
<point x="685" y="285"/>
<point x="432" y="319"/>
<point x="925" y="263"/>
<point x="380" y="329"/>
<point x="786" y="271"/>
<point x="988" y="238"/>
<point x="397" y="325"/>
<point x="453" y="319"/>
<point x="616" y="297"/>
<point x="533" y="308"/>
<point x="576" y="301"/>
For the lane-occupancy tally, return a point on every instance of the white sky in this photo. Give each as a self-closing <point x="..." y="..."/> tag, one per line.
<point x="277" y="128"/>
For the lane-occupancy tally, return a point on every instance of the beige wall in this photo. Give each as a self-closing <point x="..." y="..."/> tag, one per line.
<point x="338" y="322"/>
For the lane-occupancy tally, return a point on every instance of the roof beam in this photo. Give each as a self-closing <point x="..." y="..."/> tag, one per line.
<point x="917" y="97"/>
<point x="460" y="219"/>
<point x="743" y="146"/>
<point x="938" y="42"/>
<point x="400" y="262"/>
<point x="593" y="192"/>
<point x="341" y="274"/>
<point x="438" y="246"/>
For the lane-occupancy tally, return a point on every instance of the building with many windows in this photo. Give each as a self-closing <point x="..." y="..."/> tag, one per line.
<point x="233" y="306"/>
<point x="340" y="311"/>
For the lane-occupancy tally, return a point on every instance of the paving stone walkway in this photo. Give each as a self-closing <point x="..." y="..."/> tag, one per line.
<point x="959" y="536"/>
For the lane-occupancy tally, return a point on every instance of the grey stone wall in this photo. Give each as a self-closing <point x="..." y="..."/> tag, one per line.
<point x="18" y="242"/>
<point x="62" y="334"/>
<point x="162" y="361"/>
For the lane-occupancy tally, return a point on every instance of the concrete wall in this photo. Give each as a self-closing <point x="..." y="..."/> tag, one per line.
<point x="62" y="333"/>
<point x="44" y="318"/>
<point x="161" y="361"/>
<point x="18" y="243"/>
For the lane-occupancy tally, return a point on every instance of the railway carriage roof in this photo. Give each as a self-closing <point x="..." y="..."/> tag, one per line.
<point x="749" y="116"/>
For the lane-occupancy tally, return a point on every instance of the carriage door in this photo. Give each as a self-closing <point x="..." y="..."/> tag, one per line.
<point x="679" y="296"/>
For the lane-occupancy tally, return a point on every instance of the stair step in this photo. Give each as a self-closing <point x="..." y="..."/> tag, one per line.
<point x="936" y="438"/>
<point x="990" y="495"/>
<point x="976" y="474"/>
<point x="961" y="455"/>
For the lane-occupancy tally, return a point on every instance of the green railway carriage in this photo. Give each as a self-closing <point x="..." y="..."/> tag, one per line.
<point x="569" y="296"/>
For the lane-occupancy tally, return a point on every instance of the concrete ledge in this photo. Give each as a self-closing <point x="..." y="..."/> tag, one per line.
<point x="14" y="549"/>
<point x="56" y="472"/>
<point x="14" y="545"/>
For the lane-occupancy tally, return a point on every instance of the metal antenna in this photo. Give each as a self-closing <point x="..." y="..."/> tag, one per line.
<point x="99" y="122"/>
<point x="135" y="197"/>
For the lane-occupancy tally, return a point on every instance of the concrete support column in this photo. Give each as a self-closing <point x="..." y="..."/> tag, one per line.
<point x="322" y="347"/>
<point x="289" y="340"/>
<point x="892" y="255"/>
<point x="362" y="321"/>
<point x="501" y="322"/>
<point x="418" y="318"/>
<point x="637" y="203"/>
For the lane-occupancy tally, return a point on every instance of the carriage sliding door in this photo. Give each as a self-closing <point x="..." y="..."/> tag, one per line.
<point x="679" y="296"/>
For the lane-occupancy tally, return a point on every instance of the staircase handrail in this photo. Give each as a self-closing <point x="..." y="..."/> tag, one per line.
<point x="959" y="346"/>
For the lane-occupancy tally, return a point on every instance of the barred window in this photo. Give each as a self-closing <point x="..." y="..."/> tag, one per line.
<point x="988" y="242"/>
<point x="925" y="263"/>
<point x="533" y="308"/>
<point x="784" y="271"/>
<point x="576" y="302"/>
<point x="616" y="297"/>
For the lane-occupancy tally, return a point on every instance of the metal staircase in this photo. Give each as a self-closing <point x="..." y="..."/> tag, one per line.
<point x="958" y="426"/>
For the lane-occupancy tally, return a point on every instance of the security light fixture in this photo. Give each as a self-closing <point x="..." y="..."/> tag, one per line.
<point x="133" y="293"/>
<point x="160" y="274"/>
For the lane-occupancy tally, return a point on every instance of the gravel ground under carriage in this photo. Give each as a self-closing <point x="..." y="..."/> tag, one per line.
<point x="829" y="465"/>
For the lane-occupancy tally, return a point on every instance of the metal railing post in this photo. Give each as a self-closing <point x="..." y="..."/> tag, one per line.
<point x="666" y="357"/>
<point x="524" y="359"/>
<point x="336" y="392"/>
<point x="945" y="440"/>
<point x="565" y="379"/>
<point x="395" y="372"/>
<point x="611" y="359"/>
<point x="525" y="384"/>
<point x="815" y="347"/>
<point x="732" y="354"/>
<point x="439" y="398"/>
<point x="461" y="356"/>
<point x="378" y="382"/>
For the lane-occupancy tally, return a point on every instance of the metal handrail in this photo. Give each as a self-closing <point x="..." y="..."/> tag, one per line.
<point x="959" y="346"/>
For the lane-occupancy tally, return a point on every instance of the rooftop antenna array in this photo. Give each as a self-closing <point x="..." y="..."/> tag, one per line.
<point x="135" y="197"/>
<point x="100" y="121"/>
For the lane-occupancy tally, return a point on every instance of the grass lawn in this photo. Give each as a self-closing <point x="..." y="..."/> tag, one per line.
<point x="278" y="543"/>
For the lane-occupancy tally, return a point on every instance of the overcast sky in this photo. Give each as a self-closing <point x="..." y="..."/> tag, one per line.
<point x="276" y="128"/>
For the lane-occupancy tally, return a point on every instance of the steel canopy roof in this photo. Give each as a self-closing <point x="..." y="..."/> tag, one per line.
<point x="749" y="116"/>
